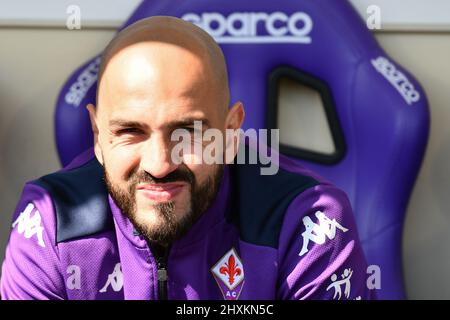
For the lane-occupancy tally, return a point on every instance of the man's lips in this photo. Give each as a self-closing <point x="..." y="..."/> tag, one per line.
<point x="162" y="191"/>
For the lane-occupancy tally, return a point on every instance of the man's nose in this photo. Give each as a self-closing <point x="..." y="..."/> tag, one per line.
<point x="156" y="157"/>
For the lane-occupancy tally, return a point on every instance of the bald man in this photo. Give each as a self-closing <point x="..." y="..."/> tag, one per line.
<point x="132" y="219"/>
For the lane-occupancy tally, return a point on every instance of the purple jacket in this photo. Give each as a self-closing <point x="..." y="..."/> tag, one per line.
<point x="286" y="236"/>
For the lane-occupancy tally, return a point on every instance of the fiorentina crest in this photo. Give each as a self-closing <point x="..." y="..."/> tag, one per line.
<point x="229" y="275"/>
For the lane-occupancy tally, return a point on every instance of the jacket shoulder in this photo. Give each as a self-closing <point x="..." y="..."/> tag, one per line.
<point x="80" y="199"/>
<point x="260" y="202"/>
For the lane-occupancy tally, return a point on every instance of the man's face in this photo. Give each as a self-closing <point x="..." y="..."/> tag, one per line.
<point x="147" y="91"/>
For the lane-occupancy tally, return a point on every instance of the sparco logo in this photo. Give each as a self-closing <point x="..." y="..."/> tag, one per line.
<point x="83" y="83"/>
<point x="399" y="80"/>
<point x="255" y="27"/>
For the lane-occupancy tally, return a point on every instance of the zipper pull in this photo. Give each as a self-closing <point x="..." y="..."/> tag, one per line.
<point x="162" y="274"/>
<point x="161" y="255"/>
<point x="162" y="281"/>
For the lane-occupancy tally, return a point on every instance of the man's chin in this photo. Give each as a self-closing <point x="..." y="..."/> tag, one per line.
<point x="148" y="219"/>
<point x="161" y="224"/>
<point x="160" y="213"/>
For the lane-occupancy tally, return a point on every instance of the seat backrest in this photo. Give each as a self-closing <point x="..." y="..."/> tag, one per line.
<point x="377" y="112"/>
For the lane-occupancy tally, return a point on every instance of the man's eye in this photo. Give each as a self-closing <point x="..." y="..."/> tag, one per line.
<point x="128" y="130"/>
<point x="190" y="129"/>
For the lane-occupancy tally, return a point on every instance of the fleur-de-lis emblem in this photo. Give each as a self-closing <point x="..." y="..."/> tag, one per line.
<point x="229" y="274"/>
<point x="231" y="268"/>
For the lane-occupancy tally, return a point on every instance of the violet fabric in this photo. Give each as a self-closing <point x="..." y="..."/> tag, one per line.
<point x="117" y="263"/>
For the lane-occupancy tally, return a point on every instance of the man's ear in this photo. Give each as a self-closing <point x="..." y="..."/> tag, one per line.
<point x="93" y="117"/>
<point x="233" y="123"/>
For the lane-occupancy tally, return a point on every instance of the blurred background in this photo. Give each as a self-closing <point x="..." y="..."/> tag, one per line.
<point x="38" y="53"/>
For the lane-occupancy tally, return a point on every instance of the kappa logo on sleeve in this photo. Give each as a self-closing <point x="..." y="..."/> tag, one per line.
<point x="115" y="279"/>
<point x="30" y="225"/>
<point x="318" y="233"/>
<point x="229" y="275"/>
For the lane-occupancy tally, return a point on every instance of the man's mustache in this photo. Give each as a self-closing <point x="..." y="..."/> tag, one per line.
<point x="180" y="174"/>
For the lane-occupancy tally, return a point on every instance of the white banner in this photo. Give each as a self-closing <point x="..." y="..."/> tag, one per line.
<point x="395" y="15"/>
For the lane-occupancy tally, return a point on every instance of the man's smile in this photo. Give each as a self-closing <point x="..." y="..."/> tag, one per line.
<point x="161" y="192"/>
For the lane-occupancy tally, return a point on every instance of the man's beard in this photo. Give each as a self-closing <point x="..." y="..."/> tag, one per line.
<point x="173" y="226"/>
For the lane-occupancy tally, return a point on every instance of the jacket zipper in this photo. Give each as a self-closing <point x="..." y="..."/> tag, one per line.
<point x="161" y="255"/>
<point x="162" y="279"/>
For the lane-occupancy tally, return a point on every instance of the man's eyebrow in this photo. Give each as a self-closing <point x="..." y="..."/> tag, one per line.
<point x="185" y="122"/>
<point x="126" y="123"/>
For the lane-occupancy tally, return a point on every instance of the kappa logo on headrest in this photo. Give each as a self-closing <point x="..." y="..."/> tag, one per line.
<point x="255" y="27"/>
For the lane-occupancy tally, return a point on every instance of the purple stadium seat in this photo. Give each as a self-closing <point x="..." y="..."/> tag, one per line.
<point x="377" y="112"/>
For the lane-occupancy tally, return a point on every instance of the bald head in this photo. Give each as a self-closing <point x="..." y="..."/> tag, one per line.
<point x="163" y="44"/>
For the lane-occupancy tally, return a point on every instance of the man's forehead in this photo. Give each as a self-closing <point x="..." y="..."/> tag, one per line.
<point x="150" y="70"/>
<point x="149" y="60"/>
<point x="163" y="30"/>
